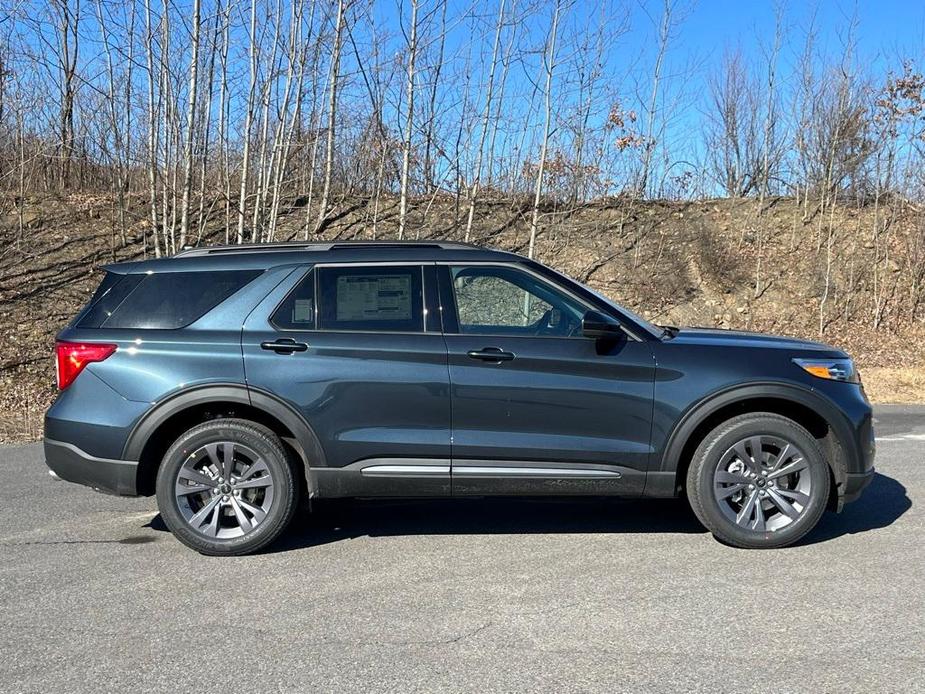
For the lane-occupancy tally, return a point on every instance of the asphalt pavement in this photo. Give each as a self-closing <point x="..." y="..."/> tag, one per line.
<point x="480" y="595"/>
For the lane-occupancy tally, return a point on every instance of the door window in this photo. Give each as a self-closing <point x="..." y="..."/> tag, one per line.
<point x="372" y="298"/>
<point x="498" y="300"/>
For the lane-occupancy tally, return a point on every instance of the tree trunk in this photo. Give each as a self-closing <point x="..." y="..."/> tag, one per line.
<point x="474" y="189"/>
<point x="249" y="116"/>
<point x="409" y="122"/>
<point x="190" y="125"/>
<point x="332" y="117"/>
<point x="549" y="60"/>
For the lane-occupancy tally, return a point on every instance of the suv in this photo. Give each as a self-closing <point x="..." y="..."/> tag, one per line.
<point x="234" y="381"/>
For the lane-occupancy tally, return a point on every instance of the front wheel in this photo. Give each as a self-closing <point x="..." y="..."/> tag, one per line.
<point x="225" y="487"/>
<point x="759" y="481"/>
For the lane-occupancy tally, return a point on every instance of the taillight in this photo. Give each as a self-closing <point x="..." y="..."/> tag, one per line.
<point x="72" y="357"/>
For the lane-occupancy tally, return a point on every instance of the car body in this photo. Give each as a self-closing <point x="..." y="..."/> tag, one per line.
<point x="427" y="369"/>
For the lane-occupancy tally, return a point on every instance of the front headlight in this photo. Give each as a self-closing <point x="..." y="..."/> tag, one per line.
<point x="830" y="369"/>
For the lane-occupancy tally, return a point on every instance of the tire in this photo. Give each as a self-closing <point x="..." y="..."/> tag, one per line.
<point x="223" y="517"/>
<point x="761" y="502"/>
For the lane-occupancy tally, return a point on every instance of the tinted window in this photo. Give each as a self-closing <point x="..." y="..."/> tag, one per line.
<point x="371" y="298"/>
<point x="164" y="300"/>
<point x="505" y="301"/>
<point x="108" y="297"/>
<point x="297" y="312"/>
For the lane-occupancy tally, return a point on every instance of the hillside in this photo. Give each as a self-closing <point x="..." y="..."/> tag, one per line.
<point x="682" y="263"/>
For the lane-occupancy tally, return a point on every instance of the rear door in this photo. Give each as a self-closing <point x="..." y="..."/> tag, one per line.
<point x="537" y="407"/>
<point x="356" y="349"/>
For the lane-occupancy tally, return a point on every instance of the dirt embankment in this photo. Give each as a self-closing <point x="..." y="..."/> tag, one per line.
<point x="692" y="263"/>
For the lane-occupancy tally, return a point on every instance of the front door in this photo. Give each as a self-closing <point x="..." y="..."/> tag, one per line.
<point x="537" y="408"/>
<point x="355" y="351"/>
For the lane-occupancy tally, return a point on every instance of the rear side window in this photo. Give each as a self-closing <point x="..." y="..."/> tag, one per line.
<point x="378" y="299"/>
<point x="163" y="300"/>
<point x="107" y="298"/>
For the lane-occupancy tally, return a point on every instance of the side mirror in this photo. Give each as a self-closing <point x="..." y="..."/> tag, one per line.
<point x="597" y="325"/>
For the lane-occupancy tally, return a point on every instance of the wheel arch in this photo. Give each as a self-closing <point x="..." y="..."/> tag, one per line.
<point x="803" y="406"/>
<point x="159" y="428"/>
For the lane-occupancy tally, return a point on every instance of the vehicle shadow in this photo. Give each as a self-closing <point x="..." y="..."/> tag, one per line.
<point x="880" y="505"/>
<point x="340" y="519"/>
<point x="335" y="520"/>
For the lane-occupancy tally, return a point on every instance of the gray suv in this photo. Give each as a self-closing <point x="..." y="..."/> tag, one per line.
<point x="235" y="382"/>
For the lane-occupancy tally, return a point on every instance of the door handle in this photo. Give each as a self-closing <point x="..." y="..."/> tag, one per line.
<point x="284" y="345"/>
<point x="492" y="354"/>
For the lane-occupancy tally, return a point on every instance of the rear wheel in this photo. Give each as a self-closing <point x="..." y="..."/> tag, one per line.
<point x="226" y="487"/>
<point x="759" y="481"/>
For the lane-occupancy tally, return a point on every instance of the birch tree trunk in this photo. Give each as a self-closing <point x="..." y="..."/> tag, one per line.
<point x="486" y="115"/>
<point x="766" y="148"/>
<point x="550" y="64"/>
<point x="332" y="117"/>
<point x="649" y="144"/>
<point x="409" y="122"/>
<point x="190" y="125"/>
<point x="153" y="145"/>
<point x="248" y="117"/>
<point x="286" y="127"/>
<point x="223" y="120"/>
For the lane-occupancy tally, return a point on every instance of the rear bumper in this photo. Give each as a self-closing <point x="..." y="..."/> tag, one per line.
<point x="72" y="464"/>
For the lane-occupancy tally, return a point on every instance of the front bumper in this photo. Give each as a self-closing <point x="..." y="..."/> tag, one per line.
<point x="72" y="464"/>
<point x="855" y="483"/>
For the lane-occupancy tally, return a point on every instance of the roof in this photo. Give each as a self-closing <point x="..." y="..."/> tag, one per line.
<point x="267" y="255"/>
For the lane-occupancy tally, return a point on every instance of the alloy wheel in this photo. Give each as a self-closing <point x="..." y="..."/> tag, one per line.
<point x="763" y="483"/>
<point x="224" y="490"/>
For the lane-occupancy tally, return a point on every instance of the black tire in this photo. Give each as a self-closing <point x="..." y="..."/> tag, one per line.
<point x="713" y="451"/>
<point x="238" y="432"/>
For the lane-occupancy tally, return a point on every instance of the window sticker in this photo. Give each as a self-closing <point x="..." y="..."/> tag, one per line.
<point x="303" y="311"/>
<point x="373" y="297"/>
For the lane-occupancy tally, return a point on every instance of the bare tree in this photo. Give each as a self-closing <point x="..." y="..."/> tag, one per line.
<point x="68" y="48"/>
<point x="153" y="144"/>
<point x="549" y="66"/>
<point x="768" y="146"/>
<point x="332" y="114"/>
<point x="664" y="34"/>
<point x="730" y="127"/>
<point x="483" y="133"/>
<point x="224" y="106"/>
<point x="248" y="118"/>
<point x="190" y="123"/>
<point x="409" y="120"/>
<point x="285" y="129"/>
<point x="432" y="120"/>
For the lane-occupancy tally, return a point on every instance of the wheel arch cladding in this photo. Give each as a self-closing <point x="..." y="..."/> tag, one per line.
<point x="163" y="424"/>
<point x="804" y="407"/>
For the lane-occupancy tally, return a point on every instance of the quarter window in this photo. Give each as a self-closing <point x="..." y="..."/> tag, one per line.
<point x="497" y="300"/>
<point x="297" y="312"/>
<point x="163" y="300"/>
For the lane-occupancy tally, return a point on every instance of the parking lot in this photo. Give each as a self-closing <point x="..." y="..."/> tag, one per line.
<point x="524" y="595"/>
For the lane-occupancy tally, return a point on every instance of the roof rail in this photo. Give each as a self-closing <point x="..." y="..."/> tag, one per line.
<point x="252" y="248"/>
<point x="317" y="247"/>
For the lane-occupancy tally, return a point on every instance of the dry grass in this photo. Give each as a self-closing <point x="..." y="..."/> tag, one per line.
<point x="894" y="385"/>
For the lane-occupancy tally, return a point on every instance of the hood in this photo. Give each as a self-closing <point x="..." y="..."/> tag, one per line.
<point x="738" y="338"/>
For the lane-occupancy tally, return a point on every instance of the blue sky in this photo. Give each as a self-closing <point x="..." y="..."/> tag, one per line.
<point x="885" y="27"/>
<point x="885" y="32"/>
